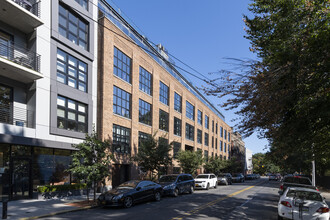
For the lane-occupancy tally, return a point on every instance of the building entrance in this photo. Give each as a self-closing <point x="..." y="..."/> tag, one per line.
<point x="21" y="174"/>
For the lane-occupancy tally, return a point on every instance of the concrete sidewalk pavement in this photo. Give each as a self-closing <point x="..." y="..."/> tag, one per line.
<point x="33" y="208"/>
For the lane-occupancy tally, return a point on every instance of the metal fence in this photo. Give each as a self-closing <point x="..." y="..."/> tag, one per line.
<point x="30" y="5"/>
<point x="17" y="116"/>
<point x="20" y="56"/>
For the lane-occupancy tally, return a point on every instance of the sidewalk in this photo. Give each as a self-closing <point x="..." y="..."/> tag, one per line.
<point x="33" y="208"/>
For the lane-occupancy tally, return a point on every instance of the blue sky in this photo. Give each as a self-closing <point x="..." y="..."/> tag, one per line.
<point x="199" y="33"/>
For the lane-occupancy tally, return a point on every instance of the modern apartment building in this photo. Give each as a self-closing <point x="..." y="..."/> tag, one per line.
<point x="140" y="93"/>
<point x="48" y="76"/>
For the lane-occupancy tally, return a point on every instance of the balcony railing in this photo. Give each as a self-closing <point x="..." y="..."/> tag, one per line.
<point x="30" y="5"/>
<point x="17" y="116"/>
<point x="20" y="56"/>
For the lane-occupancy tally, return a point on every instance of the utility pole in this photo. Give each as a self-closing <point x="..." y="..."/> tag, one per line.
<point x="313" y="167"/>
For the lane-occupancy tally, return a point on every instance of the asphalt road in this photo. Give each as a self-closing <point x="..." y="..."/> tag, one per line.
<point x="254" y="199"/>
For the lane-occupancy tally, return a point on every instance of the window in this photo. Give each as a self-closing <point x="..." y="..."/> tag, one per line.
<point x="6" y="104"/>
<point x="190" y="130"/>
<point x="122" y="65"/>
<point x="199" y="117"/>
<point x="212" y="126"/>
<point x="225" y="147"/>
<point x="176" y="149"/>
<point x="206" y="139"/>
<point x="228" y="136"/>
<point x="221" y="144"/>
<point x="177" y="102"/>
<point x="177" y="126"/>
<point x="71" y="71"/>
<point x="206" y="155"/>
<point x="143" y="137"/>
<point x="121" y="102"/>
<point x="199" y="136"/>
<point x="224" y="157"/>
<point x="83" y="3"/>
<point x="190" y="111"/>
<point x="221" y="131"/>
<point x="163" y="93"/>
<point x="163" y="120"/>
<point x="206" y="121"/>
<point x="212" y="142"/>
<point x="216" y="128"/>
<point x="71" y="115"/>
<point x="145" y="81"/>
<point x="162" y="141"/>
<point x="145" y="112"/>
<point x="73" y="27"/>
<point x="212" y="157"/>
<point x="216" y="143"/>
<point x="121" y="139"/>
<point x="225" y="136"/>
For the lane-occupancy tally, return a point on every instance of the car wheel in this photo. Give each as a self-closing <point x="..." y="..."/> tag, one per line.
<point x="279" y="217"/>
<point x="128" y="202"/>
<point x="208" y="186"/>
<point x="157" y="196"/>
<point x="191" y="191"/>
<point x="175" y="192"/>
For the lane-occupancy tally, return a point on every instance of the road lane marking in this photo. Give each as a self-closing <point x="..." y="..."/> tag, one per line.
<point x="209" y="204"/>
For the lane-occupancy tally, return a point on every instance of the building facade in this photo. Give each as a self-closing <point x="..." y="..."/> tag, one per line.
<point x="238" y="149"/>
<point x="140" y="93"/>
<point x="48" y="75"/>
<point x="248" y="162"/>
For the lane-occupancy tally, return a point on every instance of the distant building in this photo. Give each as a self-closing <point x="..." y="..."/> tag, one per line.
<point x="248" y="161"/>
<point x="238" y="149"/>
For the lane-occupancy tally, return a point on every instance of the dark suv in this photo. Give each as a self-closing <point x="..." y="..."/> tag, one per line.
<point x="176" y="184"/>
<point x="225" y="178"/>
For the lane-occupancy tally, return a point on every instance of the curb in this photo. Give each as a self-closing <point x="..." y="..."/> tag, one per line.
<point x="59" y="212"/>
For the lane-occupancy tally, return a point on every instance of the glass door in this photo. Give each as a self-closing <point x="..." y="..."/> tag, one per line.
<point x="21" y="178"/>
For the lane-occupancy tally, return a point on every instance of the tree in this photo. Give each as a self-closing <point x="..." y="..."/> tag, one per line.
<point x="284" y="95"/>
<point x="190" y="161"/>
<point x="153" y="155"/>
<point x="91" y="162"/>
<point x="215" y="165"/>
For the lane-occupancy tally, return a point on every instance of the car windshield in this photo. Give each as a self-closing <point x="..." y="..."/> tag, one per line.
<point x="305" y="195"/>
<point x="129" y="184"/>
<point x="297" y="180"/>
<point x="202" y="177"/>
<point x="166" y="179"/>
<point x="221" y="175"/>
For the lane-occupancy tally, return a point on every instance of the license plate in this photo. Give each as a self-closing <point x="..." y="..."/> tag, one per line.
<point x="103" y="202"/>
<point x="196" y="184"/>
<point x="305" y="209"/>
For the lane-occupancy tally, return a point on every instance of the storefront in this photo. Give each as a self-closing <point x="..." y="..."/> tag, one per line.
<point x="24" y="168"/>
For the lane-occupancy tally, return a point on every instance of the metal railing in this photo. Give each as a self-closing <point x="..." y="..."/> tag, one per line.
<point x="30" y="5"/>
<point x="20" y="56"/>
<point x="17" y="116"/>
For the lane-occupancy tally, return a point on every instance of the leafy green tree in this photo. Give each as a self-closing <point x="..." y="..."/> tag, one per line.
<point x="91" y="162"/>
<point x="284" y="94"/>
<point x="190" y="161"/>
<point x="153" y="155"/>
<point x="215" y="165"/>
<point x="234" y="166"/>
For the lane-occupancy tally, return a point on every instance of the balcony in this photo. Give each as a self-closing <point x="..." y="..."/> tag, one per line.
<point x="21" y="14"/>
<point x="19" y="64"/>
<point x="16" y="116"/>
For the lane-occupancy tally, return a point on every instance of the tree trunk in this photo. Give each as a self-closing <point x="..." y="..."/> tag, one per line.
<point x="94" y="190"/>
<point x="87" y="193"/>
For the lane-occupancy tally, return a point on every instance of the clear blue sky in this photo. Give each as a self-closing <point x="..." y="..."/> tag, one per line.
<point x="199" y="33"/>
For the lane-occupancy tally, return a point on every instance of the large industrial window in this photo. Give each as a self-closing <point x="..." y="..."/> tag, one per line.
<point x="163" y="93"/>
<point x="122" y="65"/>
<point x="142" y="138"/>
<point x="177" y="126"/>
<point x="176" y="149"/>
<point x="163" y="120"/>
<point x="199" y="117"/>
<point x="206" y="121"/>
<point x="145" y="112"/>
<point x="190" y="130"/>
<point x="190" y="111"/>
<point x="72" y="27"/>
<point x="199" y="136"/>
<point x="206" y="139"/>
<point x="71" y="71"/>
<point x="145" y="81"/>
<point x="177" y="102"/>
<point x="121" y="139"/>
<point x="121" y="102"/>
<point x="71" y="115"/>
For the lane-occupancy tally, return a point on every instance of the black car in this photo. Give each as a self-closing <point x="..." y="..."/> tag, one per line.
<point x="176" y="184"/>
<point x="225" y="178"/>
<point x="238" y="178"/>
<point x="130" y="192"/>
<point x="250" y="177"/>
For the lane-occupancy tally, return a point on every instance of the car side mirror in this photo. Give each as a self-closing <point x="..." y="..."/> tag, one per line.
<point x="138" y="188"/>
<point x="280" y="192"/>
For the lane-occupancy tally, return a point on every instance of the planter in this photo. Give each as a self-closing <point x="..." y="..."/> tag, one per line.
<point x="62" y="194"/>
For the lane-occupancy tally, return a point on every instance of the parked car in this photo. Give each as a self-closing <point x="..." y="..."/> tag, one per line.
<point x="176" y="184"/>
<point x="238" y="178"/>
<point x="130" y="192"/>
<point x="250" y="177"/>
<point x="225" y="178"/>
<point x="272" y="177"/>
<point x="295" y="181"/>
<point x="205" y="181"/>
<point x="302" y="203"/>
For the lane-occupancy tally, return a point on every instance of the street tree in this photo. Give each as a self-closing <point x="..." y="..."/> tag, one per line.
<point x="153" y="155"/>
<point x="91" y="162"/>
<point x="190" y="161"/>
<point x="284" y="95"/>
<point x="215" y="165"/>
